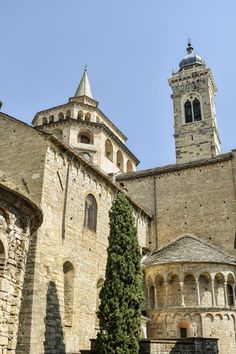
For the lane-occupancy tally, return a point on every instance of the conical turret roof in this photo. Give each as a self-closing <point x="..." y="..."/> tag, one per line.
<point x="84" y="88"/>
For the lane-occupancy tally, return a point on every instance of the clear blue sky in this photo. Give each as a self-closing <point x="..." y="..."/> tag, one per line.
<point x="130" y="47"/>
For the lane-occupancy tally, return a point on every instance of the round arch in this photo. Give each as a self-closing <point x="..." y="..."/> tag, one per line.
<point x="90" y="213"/>
<point x="68" y="271"/>
<point x="129" y="166"/>
<point x="85" y="136"/>
<point x="191" y="107"/>
<point x="109" y="149"/>
<point x="120" y="160"/>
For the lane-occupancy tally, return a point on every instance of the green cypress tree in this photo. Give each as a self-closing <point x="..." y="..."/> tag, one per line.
<point x="121" y="296"/>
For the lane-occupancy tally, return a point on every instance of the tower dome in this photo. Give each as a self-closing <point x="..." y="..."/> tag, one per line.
<point x="191" y="58"/>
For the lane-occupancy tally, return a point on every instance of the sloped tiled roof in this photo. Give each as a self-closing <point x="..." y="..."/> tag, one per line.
<point x="188" y="248"/>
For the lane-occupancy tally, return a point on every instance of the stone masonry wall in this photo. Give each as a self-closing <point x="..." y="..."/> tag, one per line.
<point x="15" y="230"/>
<point x="198" y="200"/>
<point x="60" y="184"/>
<point x="63" y="238"/>
<point x="22" y="152"/>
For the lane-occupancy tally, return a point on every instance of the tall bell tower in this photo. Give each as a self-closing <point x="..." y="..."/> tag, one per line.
<point x="193" y="86"/>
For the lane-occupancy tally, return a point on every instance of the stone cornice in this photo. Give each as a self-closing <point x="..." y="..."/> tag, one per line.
<point x="74" y="103"/>
<point x="192" y="74"/>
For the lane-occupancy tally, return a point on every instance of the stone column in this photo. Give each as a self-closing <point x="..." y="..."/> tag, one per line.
<point x="233" y="287"/>
<point x="155" y="296"/>
<point x="198" y="293"/>
<point x="148" y="298"/>
<point x="182" y="293"/>
<point x="213" y="293"/>
<point x="225" y="293"/>
<point x="166" y="290"/>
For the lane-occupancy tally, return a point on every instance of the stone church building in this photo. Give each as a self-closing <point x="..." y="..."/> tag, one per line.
<point x="57" y="182"/>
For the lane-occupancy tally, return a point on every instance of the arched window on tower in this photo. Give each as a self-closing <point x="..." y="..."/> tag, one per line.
<point x="87" y="117"/>
<point x="85" y="137"/>
<point x="44" y="120"/>
<point x="129" y="166"/>
<point x="90" y="213"/>
<point x="68" y="271"/>
<point x="192" y="110"/>
<point x="51" y="119"/>
<point x="80" y="115"/>
<point x="188" y="112"/>
<point x="196" y="110"/>
<point x="120" y="160"/>
<point x="109" y="150"/>
<point x="60" y="116"/>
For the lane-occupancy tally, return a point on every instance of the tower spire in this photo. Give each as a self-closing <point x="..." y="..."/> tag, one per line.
<point x="84" y="88"/>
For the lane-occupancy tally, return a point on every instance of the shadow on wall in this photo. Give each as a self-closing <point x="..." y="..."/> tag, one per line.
<point x="54" y="338"/>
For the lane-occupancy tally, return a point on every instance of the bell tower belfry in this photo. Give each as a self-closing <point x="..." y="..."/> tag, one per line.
<point x="193" y="86"/>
